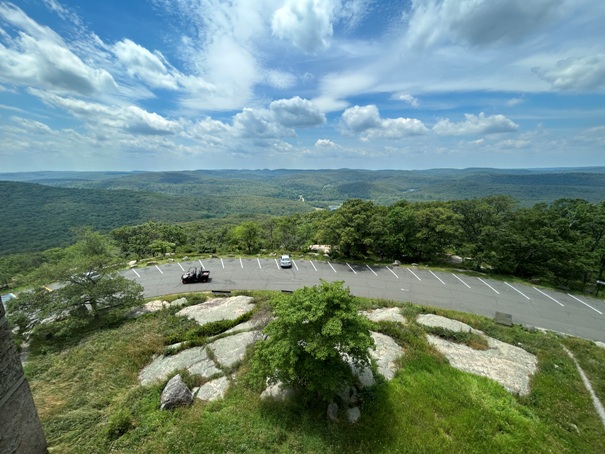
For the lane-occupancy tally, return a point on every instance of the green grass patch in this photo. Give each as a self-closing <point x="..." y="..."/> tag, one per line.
<point x="89" y="400"/>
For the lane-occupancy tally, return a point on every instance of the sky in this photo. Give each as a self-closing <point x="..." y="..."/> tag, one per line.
<point x="301" y="84"/>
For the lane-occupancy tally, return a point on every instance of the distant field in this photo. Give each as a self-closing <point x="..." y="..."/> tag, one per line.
<point x="40" y="208"/>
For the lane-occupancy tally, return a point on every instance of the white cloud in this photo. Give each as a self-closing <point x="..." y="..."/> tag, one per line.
<point x="140" y="62"/>
<point x="280" y="79"/>
<point x="478" y="22"/>
<point x="475" y="125"/>
<point x="366" y="120"/>
<point x="325" y="143"/>
<point x="306" y="23"/>
<point x="259" y="123"/>
<point x="414" y="102"/>
<point x="36" y="56"/>
<point x="576" y="74"/>
<point x="297" y="113"/>
<point x="124" y="119"/>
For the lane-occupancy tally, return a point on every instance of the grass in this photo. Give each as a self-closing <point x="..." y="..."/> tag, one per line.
<point x="89" y="400"/>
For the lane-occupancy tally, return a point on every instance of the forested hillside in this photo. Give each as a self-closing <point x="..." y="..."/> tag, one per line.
<point x="40" y="211"/>
<point x="322" y="188"/>
<point x="36" y="217"/>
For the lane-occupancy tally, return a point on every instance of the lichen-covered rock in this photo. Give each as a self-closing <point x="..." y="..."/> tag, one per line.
<point x="217" y="309"/>
<point x="385" y="354"/>
<point x="195" y="360"/>
<point x="389" y="314"/>
<point x="507" y="364"/>
<point x="444" y="322"/>
<point x="213" y="390"/>
<point x="229" y="351"/>
<point x="175" y="394"/>
<point x="277" y="391"/>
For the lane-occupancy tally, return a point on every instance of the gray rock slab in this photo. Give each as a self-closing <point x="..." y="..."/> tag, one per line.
<point x="353" y="414"/>
<point x="332" y="411"/>
<point x="213" y="390"/>
<point x="195" y="360"/>
<point x="507" y="364"/>
<point x="444" y="322"/>
<point x="600" y="344"/>
<point x="277" y="391"/>
<point x="389" y="314"/>
<point x="178" y="302"/>
<point x="229" y="351"/>
<point x="175" y="394"/>
<point x="217" y="309"/>
<point x="385" y="354"/>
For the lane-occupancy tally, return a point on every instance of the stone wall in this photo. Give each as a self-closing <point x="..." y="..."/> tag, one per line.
<point x="20" y="428"/>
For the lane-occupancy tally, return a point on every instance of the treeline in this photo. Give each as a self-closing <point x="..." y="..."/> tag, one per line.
<point x="561" y="242"/>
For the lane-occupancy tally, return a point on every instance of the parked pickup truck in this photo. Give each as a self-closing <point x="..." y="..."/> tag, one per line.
<point x="193" y="275"/>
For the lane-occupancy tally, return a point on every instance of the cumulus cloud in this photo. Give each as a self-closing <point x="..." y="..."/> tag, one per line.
<point x="305" y="23"/>
<point x="259" y="123"/>
<point x="366" y="120"/>
<point x="475" y="125"/>
<point x="325" y="143"/>
<point x="297" y="113"/>
<point x="36" y="56"/>
<point x="576" y="74"/>
<point x="477" y="22"/>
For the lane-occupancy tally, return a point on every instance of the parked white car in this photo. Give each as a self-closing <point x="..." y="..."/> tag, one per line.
<point x="285" y="261"/>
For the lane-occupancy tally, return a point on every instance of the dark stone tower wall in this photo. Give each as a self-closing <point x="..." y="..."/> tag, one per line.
<point x="20" y="428"/>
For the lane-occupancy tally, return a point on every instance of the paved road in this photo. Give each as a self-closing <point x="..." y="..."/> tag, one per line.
<point x="559" y="311"/>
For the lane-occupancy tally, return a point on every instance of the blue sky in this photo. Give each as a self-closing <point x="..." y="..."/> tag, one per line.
<point x="209" y="84"/>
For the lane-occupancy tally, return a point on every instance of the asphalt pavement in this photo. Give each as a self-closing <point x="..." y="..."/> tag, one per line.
<point x="560" y="311"/>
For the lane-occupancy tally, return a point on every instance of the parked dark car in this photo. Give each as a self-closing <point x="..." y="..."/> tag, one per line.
<point x="193" y="275"/>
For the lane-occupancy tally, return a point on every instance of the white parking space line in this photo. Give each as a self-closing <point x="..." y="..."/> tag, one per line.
<point x="276" y="264"/>
<point x="518" y="291"/>
<point x="241" y="263"/>
<point x="392" y="272"/>
<point x="159" y="269"/>
<point x="259" y="265"/>
<point x="438" y="278"/>
<point x="461" y="280"/>
<point x="415" y="275"/>
<point x="585" y="304"/>
<point x="331" y="267"/>
<point x="181" y="266"/>
<point x="354" y="272"/>
<point x="135" y="272"/>
<point x="295" y="265"/>
<point x="201" y="264"/>
<point x="497" y="292"/>
<point x="222" y="263"/>
<point x="372" y="270"/>
<point x="548" y="296"/>
<point x="313" y="265"/>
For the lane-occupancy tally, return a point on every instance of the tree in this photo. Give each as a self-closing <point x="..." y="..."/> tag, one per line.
<point x="314" y="327"/>
<point x="89" y="283"/>
<point x="248" y="235"/>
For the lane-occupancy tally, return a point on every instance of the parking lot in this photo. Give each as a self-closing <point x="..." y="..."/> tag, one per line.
<point x="545" y="308"/>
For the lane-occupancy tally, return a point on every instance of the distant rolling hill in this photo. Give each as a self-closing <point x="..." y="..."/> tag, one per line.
<point x="36" y="217"/>
<point x="39" y="208"/>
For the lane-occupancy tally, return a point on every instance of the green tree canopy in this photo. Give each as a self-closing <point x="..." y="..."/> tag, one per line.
<point x="305" y="346"/>
<point x="87" y="280"/>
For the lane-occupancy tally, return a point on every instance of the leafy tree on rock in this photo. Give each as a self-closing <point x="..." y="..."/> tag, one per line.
<point x="314" y="327"/>
<point x="89" y="283"/>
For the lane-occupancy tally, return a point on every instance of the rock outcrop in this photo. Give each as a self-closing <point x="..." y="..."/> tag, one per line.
<point x="175" y="394"/>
